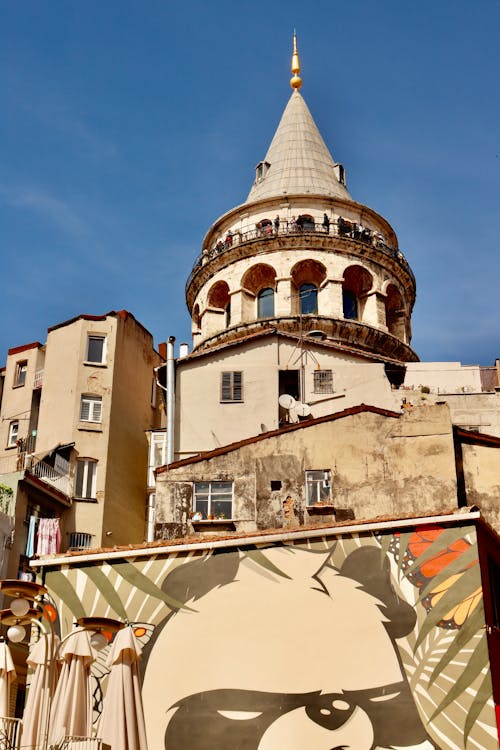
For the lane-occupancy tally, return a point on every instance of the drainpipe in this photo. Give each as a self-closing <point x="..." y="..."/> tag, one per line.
<point x="150" y="529"/>
<point x="170" y="399"/>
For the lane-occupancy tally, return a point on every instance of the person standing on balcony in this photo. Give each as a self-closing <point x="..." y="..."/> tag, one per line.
<point x="276" y="224"/>
<point x="326" y="223"/>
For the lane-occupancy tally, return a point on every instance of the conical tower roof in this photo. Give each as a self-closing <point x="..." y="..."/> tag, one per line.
<point x="298" y="158"/>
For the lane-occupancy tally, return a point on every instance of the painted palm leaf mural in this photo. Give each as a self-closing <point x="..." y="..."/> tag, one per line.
<point x="369" y="641"/>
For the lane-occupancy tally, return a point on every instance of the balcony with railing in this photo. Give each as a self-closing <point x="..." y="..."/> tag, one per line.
<point x="38" y="381"/>
<point x="10" y="733"/>
<point x="57" y="476"/>
<point x="345" y="230"/>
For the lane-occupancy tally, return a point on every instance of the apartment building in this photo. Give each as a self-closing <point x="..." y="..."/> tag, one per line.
<point x="73" y="446"/>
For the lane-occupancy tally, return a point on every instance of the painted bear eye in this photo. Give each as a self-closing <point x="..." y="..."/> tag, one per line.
<point x="240" y="715"/>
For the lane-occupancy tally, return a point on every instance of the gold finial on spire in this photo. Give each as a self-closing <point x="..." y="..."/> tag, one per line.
<point x="295" y="80"/>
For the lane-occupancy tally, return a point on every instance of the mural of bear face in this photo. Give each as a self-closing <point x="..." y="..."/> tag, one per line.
<point x="287" y="654"/>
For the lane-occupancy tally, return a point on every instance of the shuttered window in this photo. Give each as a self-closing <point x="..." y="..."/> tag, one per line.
<point x="231" y="386"/>
<point x="91" y="409"/>
<point x="85" y="479"/>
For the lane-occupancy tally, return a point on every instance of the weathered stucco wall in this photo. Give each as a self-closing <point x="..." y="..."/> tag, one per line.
<point x="482" y="480"/>
<point x="366" y="638"/>
<point x="380" y="464"/>
<point x="204" y="422"/>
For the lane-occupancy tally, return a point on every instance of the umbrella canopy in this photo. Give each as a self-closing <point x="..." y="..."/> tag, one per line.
<point x="122" y="720"/>
<point x="7" y="676"/>
<point x="71" y="712"/>
<point x="40" y="691"/>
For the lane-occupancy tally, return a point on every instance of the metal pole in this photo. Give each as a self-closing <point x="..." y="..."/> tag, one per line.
<point x="170" y="398"/>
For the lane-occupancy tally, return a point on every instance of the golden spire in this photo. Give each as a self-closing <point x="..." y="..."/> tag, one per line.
<point x="295" y="80"/>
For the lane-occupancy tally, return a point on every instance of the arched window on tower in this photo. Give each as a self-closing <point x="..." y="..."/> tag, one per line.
<point x="349" y="304"/>
<point x="307" y="277"/>
<point x="356" y="284"/>
<point x="265" y="303"/>
<point x="308" y="294"/>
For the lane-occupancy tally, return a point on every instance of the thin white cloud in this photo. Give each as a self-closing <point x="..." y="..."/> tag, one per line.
<point x="51" y="208"/>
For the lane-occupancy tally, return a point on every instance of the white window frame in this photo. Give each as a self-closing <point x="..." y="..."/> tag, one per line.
<point x="100" y="337"/>
<point x="318" y="486"/>
<point x="157" y="454"/>
<point x="87" y="467"/>
<point x="91" y="408"/>
<point x="20" y="373"/>
<point x="13" y="435"/>
<point x="214" y="488"/>
<point x="231" y="387"/>
<point x="323" y="381"/>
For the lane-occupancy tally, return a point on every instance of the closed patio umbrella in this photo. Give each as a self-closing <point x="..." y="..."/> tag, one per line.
<point x="71" y="712"/>
<point x="122" y="720"/>
<point x="41" y="689"/>
<point x="7" y="676"/>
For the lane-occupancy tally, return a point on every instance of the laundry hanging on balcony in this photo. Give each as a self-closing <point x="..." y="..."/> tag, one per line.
<point x="30" y="542"/>
<point x="49" y="536"/>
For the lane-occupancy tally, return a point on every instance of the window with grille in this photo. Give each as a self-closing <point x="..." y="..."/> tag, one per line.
<point x="231" y="386"/>
<point x="79" y="540"/>
<point x="91" y="409"/>
<point x="96" y="349"/>
<point x="318" y="486"/>
<point x="20" y="374"/>
<point x="85" y="479"/>
<point x="213" y="500"/>
<point x="323" y="381"/>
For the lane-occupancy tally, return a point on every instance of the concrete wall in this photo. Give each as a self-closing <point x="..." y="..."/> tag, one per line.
<point x="443" y="377"/>
<point x="131" y="415"/>
<point x="204" y="423"/>
<point x="481" y="465"/>
<point x="16" y="402"/>
<point x="380" y="465"/>
<point x="473" y="411"/>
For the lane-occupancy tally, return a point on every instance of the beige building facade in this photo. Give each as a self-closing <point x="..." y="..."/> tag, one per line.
<point x="73" y="423"/>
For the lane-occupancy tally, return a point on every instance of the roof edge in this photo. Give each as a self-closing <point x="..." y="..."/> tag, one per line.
<point x="269" y="536"/>
<point x="351" y="411"/>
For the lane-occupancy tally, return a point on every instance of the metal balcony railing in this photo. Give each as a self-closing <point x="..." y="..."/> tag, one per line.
<point x="80" y="743"/>
<point x="10" y="733"/>
<point x="38" y="381"/>
<point x="346" y="230"/>
<point x="79" y="540"/>
<point x="52" y="475"/>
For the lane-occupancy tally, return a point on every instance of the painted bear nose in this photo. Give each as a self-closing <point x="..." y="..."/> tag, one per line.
<point x="330" y="711"/>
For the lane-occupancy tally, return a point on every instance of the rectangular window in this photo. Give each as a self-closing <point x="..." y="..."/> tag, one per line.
<point x="323" y="381"/>
<point x="91" y="409"/>
<point x="85" y="480"/>
<point x="318" y="486"/>
<point x="213" y="499"/>
<point x="96" y="349"/>
<point x="231" y="386"/>
<point x="79" y="540"/>
<point x="157" y="454"/>
<point x="20" y="374"/>
<point x="13" y="434"/>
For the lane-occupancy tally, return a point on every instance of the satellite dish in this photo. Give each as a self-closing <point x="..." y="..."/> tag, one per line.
<point x="303" y="410"/>
<point x="286" y="401"/>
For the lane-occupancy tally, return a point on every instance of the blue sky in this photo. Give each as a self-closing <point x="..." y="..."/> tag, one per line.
<point x="129" y="127"/>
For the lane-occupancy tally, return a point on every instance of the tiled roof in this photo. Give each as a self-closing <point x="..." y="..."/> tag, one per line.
<point x="444" y="516"/>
